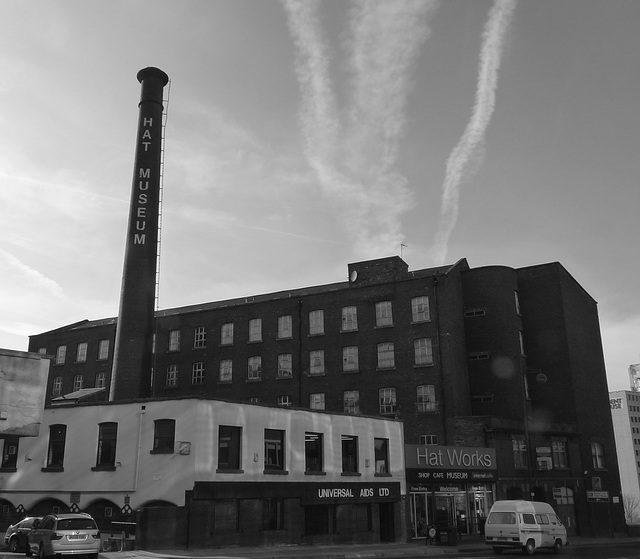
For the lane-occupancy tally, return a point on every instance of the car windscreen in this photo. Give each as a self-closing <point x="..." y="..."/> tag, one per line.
<point x="501" y="518"/>
<point x="76" y="524"/>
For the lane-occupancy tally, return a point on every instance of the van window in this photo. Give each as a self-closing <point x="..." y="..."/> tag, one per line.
<point x="501" y="518"/>
<point x="528" y="518"/>
<point x="555" y="520"/>
<point x="542" y="519"/>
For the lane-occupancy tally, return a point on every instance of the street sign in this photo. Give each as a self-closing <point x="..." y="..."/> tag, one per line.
<point x="598" y="496"/>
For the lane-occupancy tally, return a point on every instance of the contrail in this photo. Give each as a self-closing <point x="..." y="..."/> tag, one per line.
<point x="467" y="155"/>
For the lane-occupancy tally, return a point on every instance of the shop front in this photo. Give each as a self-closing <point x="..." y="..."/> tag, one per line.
<point x="449" y="487"/>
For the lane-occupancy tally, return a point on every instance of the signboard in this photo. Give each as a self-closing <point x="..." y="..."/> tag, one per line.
<point x="615" y="403"/>
<point x="598" y="496"/>
<point x="449" y="464"/>
<point x="317" y="493"/>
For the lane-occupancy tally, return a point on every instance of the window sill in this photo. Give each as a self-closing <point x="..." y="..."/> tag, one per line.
<point x="376" y="474"/>
<point x="228" y="471"/>
<point x="8" y="469"/>
<point x="425" y="321"/>
<point x="284" y="338"/>
<point x="287" y="377"/>
<point x="351" y="474"/>
<point x="351" y="372"/>
<point x="103" y="468"/>
<point x="225" y="382"/>
<point x="161" y="451"/>
<point x="52" y="469"/>
<point x="254" y="341"/>
<point x="423" y="365"/>
<point x="381" y="326"/>
<point x="314" y="334"/>
<point x="385" y="368"/>
<point x="347" y="331"/>
<point x="315" y="473"/>
<point x="275" y="472"/>
<point x="254" y="380"/>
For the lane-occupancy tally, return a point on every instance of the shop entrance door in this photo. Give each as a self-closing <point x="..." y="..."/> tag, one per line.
<point x="445" y="511"/>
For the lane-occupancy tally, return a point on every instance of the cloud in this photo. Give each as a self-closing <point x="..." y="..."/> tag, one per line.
<point x="33" y="277"/>
<point x="353" y="151"/>
<point x="467" y="155"/>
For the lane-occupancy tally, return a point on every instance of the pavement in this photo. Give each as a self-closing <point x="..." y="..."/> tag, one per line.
<point x="466" y="546"/>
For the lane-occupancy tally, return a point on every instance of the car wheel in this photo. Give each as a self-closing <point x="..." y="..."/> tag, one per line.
<point x="498" y="550"/>
<point x="557" y="546"/>
<point x="529" y="547"/>
<point x="13" y="544"/>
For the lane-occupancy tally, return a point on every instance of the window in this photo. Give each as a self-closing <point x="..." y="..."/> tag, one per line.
<point x="226" y="519"/>
<point x="597" y="456"/>
<point x="10" y="453"/>
<point x="174" y="340"/>
<point x="273" y="514"/>
<point x="103" y="350"/>
<point x="426" y="398"/>
<point x="313" y="447"/>
<point x="316" y="323"/>
<point x="197" y="373"/>
<point x="349" y="454"/>
<point x="273" y="450"/>
<point x="520" y="459"/>
<point x="55" y="453"/>
<point x="316" y="401"/>
<point x="349" y="319"/>
<point x="362" y="518"/>
<point x="172" y="376"/>
<point x="229" y="446"/>
<point x="386" y="358"/>
<point x="61" y="354"/>
<point x="78" y="382"/>
<point x="81" y="354"/>
<point x="422" y="352"/>
<point x="387" y="399"/>
<point x="199" y="338"/>
<point x="559" y="453"/>
<point x="381" y="455"/>
<point x="284" y="365"/>
<point x="316" y="362"/>
<point x="226" y="334"/>
<point x="226" y="370"/>
<point x="56" y="388"/>
<point x="350" y="359"/>
<point x="255" y="330"/>
<point x="164" y="436"/>
<point x="428" y="439"/>
<point x="254" y="368"/>
<point x="517" y="301"/>
<point x="320" y="519"/>
<point x="284" y="400"/>
<point x="285" y="326"/>
<point x="475" y="312"/>
<point x="42" y="350"/>
<point x="384" y="315"/>
<point x="420" y="309"/>
<point x="107" y="436"/>
<point x="101" y="380"/>
<point x="351" y="402"/>
<point x="521" y="341"/>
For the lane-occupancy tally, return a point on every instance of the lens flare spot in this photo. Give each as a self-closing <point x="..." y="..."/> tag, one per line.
<point x="503" y="368"/>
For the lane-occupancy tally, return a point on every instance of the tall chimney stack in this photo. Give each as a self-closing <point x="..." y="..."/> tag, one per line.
<point x="133" y="352"/>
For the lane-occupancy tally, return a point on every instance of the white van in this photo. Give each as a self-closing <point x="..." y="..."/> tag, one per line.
<point x="524" y="524"/>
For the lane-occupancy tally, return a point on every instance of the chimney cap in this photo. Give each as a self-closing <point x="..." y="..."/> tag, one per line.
<point x="152" y="72"/>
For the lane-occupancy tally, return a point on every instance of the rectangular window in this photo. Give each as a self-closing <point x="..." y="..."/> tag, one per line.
<point x="57" y="440"/>
<point x="362" y="518"/>
<point x="350" y="359"/>
<point x="10" y="453"/>
<point x="420" y="309"/>
<point x="164" y="436"/>
<point x="107" y="437"/>
<point x="255" y="330"/>
<point x="81" y="354"/>
<point x="316" y="322"/>
<point x="351" y="402"/>
<point x="226" y="334"/>
<point x="273" y="514"/>
<point x="423" y="351"/>
<point x="386" y="357"/>
<point x="254" y="368"/>
<point x="101" y="380"/>
<point x="197" y="373"/>
<point x="316" y="362"/>
<point x="284" y="400"/>
<point x="78" y="382"/>
<point x="316" y="401"/>
<point x="313" y="452"/>
<point x="56" y="389"/>
<point x="61" y="354"/>
<point x="285" y="326"/>
<point x="597" y="456"/>
<point x="559" y="453"/>
<point x="226" y="370"/>
<point x="172" y="376"/>
<point x="521" y="341"/>
<point x="520" y="459"/>
<point x="381" y="453"/>
<point x="225" y="516"/>
<point x="199" y="338"/>
<point x="319" y="520"/>
<point x="387" y="399"/>
<point x="229" y="446"/>
<point x="349" y="454"/>
<point x="273" y="450"/>
<point x="285" y="369"/>
<point x="426" y="398"/>
<point x="349" y="319"/>
<point x="428" y="439"/>
<point x="103" y="350"/>
<point x="174" y="340"/>
<point x="384" y="315"/>
<point x="517" y="301"/>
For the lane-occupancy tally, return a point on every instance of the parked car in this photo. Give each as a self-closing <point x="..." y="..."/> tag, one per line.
<point x="64" y="534"/>
<point x="16" y="535"/>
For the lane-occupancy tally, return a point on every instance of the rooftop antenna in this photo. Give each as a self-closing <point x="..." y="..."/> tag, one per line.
<point x="402" y="245"/>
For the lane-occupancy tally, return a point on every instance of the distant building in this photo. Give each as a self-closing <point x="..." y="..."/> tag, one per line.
<point x="477" y="358"/>
<point x="625" y="411"/>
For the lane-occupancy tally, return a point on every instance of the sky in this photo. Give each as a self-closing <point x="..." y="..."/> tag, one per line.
<point x="303" y="135"/>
